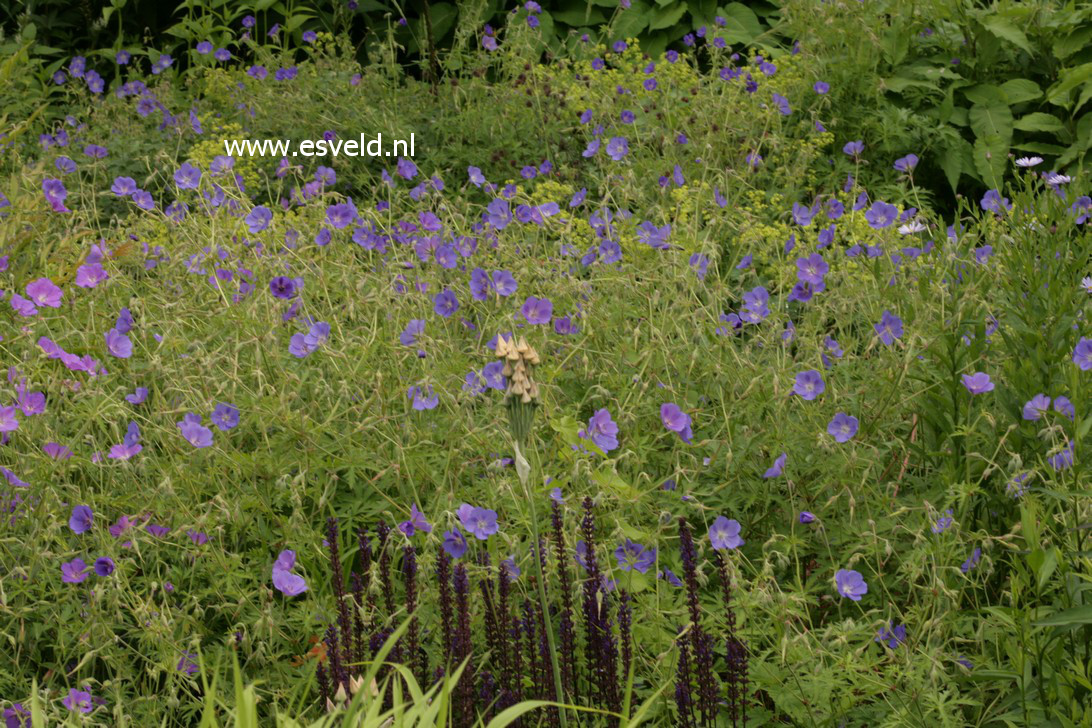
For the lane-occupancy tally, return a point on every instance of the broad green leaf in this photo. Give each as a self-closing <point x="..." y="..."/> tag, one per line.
<point x="1072" y="617"/>
<point x="631" y="22"/>
<point x="896" y="44"/>
<point x="666" y="17"/>
<point x="985" y="94"/>
<point x="951" y="161"/>
<point x="1078" y="40"/>
<point x="1071" y="78"/>
<point x="1083" y="143"/>
<point x="1086" y="94"/>
<point x="1038" y="121"/>
<point x="992" y="126"/>
<point x="898" y="84"/>
<point x="1005" y="30"/>
<point x="510" y="715"/>
<point x="614" y="484"/>
<point x="580" y="16"/>
<point x="743" y="25"/>
<point x="1018" y="90"/>
<point x="1039" y="148"/>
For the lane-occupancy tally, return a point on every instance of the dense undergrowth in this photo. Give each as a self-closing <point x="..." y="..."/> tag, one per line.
<point x="827" y="428"/>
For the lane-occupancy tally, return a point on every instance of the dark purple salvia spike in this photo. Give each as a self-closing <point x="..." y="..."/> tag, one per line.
<point x="360" y="638"/>
<point x="493" y="640"/>
<point x="502" y="619"/>
<point x="701" y="642"/>
<point x="531" y="645"/>
<point x="564" y="586"/>
<point x="372" y="605"/>
<point x="516" y="653"/>
<point x="364" y="550"/>
<point x="323" y="686"/>
<point x="684" y="702"/>
<point x="344" y="619"/>
<point x="610" y="660"/>
<point x="625" y="621"/>
<point x="600" y="651"/>
<point x="464" y="691"/>
<point x="338" y="675"/>
<point x="545" y="678"/>
<point x="592" y="638"/>
<point x="737" y="651"/>
<point x="385" y="567"/>
<point x="443" y="575"/>
<point x="417" y="657"/>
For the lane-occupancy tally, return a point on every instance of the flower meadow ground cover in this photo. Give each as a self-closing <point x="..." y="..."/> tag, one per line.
<point x="636" y="387"/>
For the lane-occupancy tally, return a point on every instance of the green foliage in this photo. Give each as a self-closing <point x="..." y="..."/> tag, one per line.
<point x="336" y="434"/>
<point x="965" y="86"/>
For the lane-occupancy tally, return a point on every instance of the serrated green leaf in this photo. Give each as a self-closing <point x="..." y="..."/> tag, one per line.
<point x="742" y="26"/>
<point x="1005" y="30"/>
<point x="1069" y="79"/>
<point x="1078" y="40"/>
<point x="667" y="17"/>
<point x="1039" y="121"/>
<point x="952" y="161"/>
<point x="632" y="21"/>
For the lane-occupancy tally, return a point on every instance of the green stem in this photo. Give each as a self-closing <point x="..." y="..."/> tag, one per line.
<point x="537" y="555"/>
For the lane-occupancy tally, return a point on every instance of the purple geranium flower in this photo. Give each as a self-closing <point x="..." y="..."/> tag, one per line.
<point x="977" y="383"/>
<point x="445" y="303"/>
<point x="416" y="522"/>
<point x="676" y="420"/>
<point x="850" y="584"/>
<point x="602" y="430"/>
<point x="423" y="397"/>
<point x="1036" y="406"/>
<point x="43" y="292"/>
<point x="881" y="215"/>
<point x="889" y="328"/>
<point x="258" y="219"/>
<point x="481" y="522"/>
<point x="1082" y="354"/>
<point x="81" y="519"/>
<point x="724" y="534"/>
<point x="775" y="470"/>
<point x="187" y="177"/>
<point x="454" y="543"/>
<point x="79" y="700"/>
<point x="809" y="384"/>
<point x="537" y="310"/>
<point x="284" y="580"/>
<point x="892" y="636"/>
<point x="74" y="571"/>
<point x="907" y="163"/>
<point x="617" y="148"/>
<point x="118" y="344"/>
<point x="842" y="427"/>
<point x="282" y="287"/>
<point x="634" y="556"/>
<point x="195" y="433"/>
<point x="225" y="416"/>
